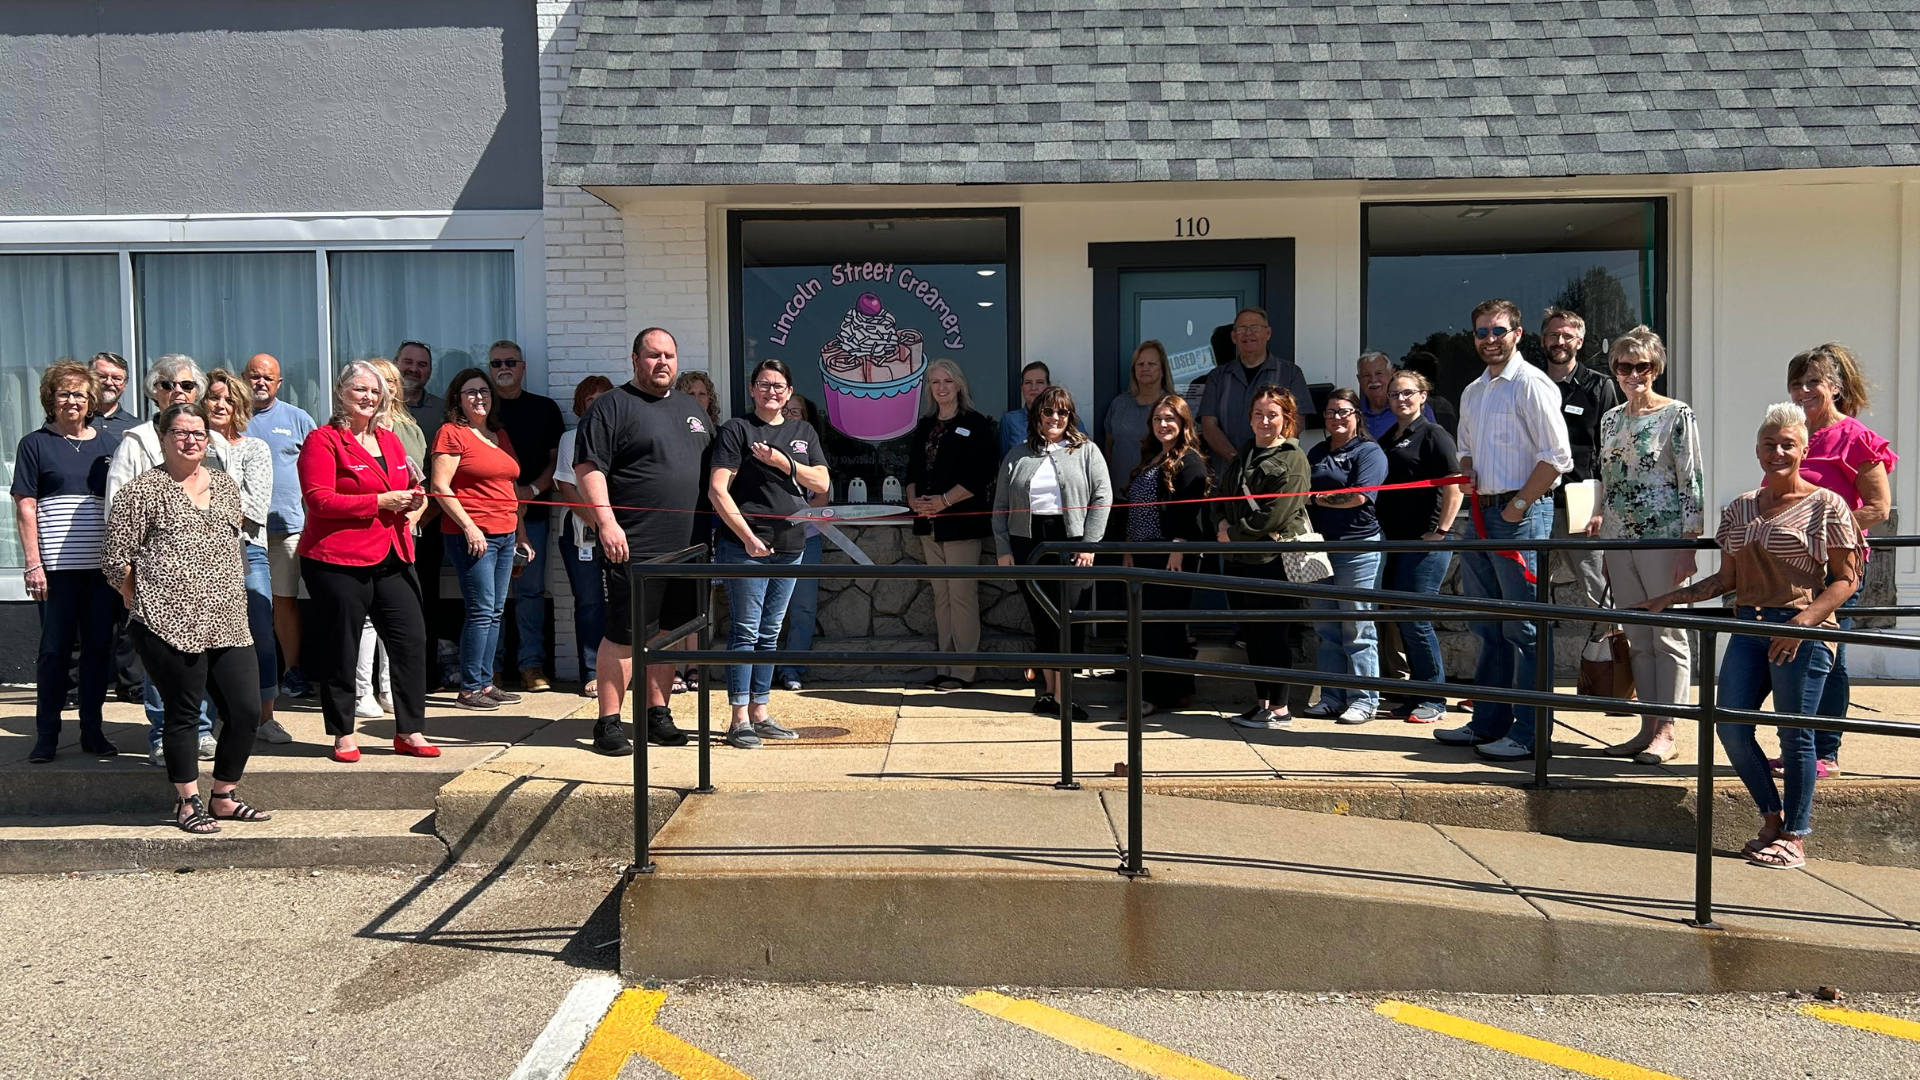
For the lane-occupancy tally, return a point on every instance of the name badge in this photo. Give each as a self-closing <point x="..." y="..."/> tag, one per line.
<point x="1575" y="410"/>
<point x="961" y="431"/>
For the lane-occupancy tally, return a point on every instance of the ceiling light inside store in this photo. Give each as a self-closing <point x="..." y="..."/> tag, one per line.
<point x="1476" y="212"/>
<point x="984" y="273"/>
<point x="984" y="303"/>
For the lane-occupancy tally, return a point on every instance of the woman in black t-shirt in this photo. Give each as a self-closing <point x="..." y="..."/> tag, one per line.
<point x="1418" y="449"/>
<point x="950" y="469"/>
<point x="763" y="467"/>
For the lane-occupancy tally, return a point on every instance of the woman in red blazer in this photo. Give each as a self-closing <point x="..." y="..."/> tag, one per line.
<point x="356" y="556"/>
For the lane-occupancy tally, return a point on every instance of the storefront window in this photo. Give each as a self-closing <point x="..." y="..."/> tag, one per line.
<point x="223" y="307"/>
<point x="457" y="302"/>
<point x="858" y="305"/>
<point x="1429" y="264"/>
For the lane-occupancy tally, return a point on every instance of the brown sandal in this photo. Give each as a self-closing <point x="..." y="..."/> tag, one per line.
<point x="1783" y="854"/>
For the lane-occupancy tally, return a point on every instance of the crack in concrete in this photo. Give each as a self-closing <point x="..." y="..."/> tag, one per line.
<point x="1498" y="876"/>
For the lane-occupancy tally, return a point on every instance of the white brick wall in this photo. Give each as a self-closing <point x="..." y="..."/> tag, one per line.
<point x="605" y="283"/>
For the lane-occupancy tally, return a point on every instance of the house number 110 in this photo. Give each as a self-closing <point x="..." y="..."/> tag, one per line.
<point x="1193" y="226"/>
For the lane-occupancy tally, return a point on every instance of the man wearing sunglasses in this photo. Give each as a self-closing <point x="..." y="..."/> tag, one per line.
<point x="1513" y="443"/>
<point x="1585" y="396"/>
<point x="534" y="424"/>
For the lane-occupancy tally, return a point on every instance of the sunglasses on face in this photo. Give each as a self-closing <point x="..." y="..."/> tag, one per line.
<point x="1485" y="332"/>
<point x="1056" y="414"/>
<point x="496" y="364"/>
<point x="172" y="384"/>
<point x="1642" y="368"/>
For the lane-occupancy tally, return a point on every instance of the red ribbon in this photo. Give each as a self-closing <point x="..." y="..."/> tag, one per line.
<point x="1480" y="530"/>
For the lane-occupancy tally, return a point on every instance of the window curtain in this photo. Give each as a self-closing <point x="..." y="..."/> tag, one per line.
<point x="456" y="302"/>
<point x="223" y="307"/>
<point x="50" y="306"/>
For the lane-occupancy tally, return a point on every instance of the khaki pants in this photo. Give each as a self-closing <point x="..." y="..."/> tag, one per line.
<point x="956" y="604"/>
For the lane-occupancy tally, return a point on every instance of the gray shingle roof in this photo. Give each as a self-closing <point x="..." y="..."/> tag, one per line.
<point x="666" y="92"/>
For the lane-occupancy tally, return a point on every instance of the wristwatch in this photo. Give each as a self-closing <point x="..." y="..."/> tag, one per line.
<point x="1520" y="504"/>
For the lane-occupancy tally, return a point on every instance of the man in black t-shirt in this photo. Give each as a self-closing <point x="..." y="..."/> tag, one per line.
<point x="645" y="447"/>
<point x="534" y="425"/>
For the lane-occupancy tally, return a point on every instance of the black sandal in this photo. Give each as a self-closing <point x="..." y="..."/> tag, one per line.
<point x="197" y="822"/>
<point x="241" y="811"/>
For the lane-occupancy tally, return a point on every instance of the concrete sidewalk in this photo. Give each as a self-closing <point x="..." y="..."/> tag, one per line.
<point x="1020" y="887"/>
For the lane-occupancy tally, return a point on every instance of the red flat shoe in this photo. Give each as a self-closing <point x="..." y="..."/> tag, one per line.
<point x="345" y="756"/>
<point x="407" y="749"/>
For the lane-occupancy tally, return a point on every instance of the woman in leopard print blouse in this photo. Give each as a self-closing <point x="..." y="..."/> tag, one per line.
<point x="173" y="551"/>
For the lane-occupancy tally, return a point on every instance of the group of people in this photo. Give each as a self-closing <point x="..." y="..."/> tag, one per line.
<point x="191" y="535"/>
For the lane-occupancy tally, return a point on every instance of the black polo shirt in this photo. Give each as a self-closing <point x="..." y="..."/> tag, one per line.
<point x="1585" y="396"/>
<point x="1422" y="452"/>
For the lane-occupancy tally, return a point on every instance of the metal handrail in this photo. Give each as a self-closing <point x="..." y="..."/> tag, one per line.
<point x="1542" y="698"/>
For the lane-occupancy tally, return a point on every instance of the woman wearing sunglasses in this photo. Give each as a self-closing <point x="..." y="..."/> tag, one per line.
<point x="1054" y="486"/>
<point x="1651" y="487"/>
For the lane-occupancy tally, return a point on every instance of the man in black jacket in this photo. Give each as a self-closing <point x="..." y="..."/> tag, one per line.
<point x="1585" y="394"/>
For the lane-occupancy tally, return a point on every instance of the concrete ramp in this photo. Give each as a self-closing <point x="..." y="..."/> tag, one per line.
<point x="1020" y="887"/>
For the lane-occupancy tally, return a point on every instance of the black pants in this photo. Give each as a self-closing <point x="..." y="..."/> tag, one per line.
<point x="344" y="598"/>
<point x="1165" y="688"/>
<point x="230" y="676"/>
<point x="1046" y="632"/>
<point x="1266" y="641"/>
<point x="79" y="610"/>
<point x="428" y="551"/>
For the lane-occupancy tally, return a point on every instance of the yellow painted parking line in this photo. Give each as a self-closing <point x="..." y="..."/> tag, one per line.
<point x="1521" y="1045"/>
<point x="1865" y="1021"/>
<point x="628" y="1029"/>
<point x="1082" y="1034"/>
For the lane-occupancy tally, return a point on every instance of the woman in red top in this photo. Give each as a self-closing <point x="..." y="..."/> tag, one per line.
<point x="474" y="469"/>
<point x="356" y="556"/>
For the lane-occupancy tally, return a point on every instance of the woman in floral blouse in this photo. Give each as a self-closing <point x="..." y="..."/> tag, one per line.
<point x="1650" y="488"/>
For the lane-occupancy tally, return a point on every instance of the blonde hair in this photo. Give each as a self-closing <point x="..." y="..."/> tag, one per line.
<point x="396" y="407"/>
<point x="1639" y="344"/>
<point x="1166" y="369"/>
<point x="239" y="398"/>
<point x="963" y="398"/>
<point x="1784" y="414"/>
<point x="348" y="372"/>
<point x="1418" y="380"/>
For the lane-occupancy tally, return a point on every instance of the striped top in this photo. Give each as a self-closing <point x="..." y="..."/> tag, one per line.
<point x="1781" y="560"/>
<point x="67" y="479"/>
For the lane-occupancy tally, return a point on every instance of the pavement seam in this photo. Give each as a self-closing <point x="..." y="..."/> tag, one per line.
<point x="1498" y="876"/>
<point x="1895" y="916"/>
<point x="1113" y="828"/>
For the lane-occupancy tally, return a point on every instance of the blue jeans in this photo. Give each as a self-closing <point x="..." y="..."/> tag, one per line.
<point x="530" y="594"/>
<point x="589" y="583"/>
<point x="1349" y="648"/>
<point x="1506" y="648"/>
<point x="803" y="610"/>
<point x="1746" y="677"/>
<point x="1838" y="695"/>
<point x="1420" y="573"/>
<point x="755" y="609"/>
<point x="157" y="713"/>
<point x="79" y="611"/>
<point x="260" y="619"/>
<point x="483" y="590"/>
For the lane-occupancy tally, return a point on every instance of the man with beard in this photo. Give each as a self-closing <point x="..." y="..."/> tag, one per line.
<point x="1513" y="444"/>
<point x="1585" y="396"/>
<point x="111" y="371"/>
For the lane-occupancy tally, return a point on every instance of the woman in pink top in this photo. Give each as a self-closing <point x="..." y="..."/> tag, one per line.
<point x="1850" y="460"/>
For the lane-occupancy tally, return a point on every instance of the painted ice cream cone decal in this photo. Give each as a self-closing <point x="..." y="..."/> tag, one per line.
<point x="873" y="372"/>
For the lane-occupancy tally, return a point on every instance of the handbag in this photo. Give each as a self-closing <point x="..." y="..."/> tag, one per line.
<point x="1606" y="668"/>
<point x="1305" y="567"/>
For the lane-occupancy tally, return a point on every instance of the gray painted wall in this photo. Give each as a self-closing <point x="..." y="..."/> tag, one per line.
<point x="265" y="106"/>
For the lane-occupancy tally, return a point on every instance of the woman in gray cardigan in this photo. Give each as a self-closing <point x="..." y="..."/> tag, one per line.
<point x="1053" y="486"/>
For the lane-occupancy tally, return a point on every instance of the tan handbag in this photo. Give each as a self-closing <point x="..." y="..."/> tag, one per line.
<point x="1606" y="668"/>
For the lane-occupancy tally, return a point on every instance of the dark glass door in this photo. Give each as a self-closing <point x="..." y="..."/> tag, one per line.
<point x="1183" y="310"/>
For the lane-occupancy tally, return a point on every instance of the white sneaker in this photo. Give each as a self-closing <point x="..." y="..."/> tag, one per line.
<point x="271" y="731"/>
<point x="209" y="746"/>
<point x="369" y="709"/>
<point x="1464" y="735"/>
<point x="1356" y="714"/>
<point x="1504" y="750"/>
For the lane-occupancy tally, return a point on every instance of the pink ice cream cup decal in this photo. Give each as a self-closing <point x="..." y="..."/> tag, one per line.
<point x="873" y="372"/>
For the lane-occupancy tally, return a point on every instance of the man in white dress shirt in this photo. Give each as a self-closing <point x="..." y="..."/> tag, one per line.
<point x="1513" y="443"/>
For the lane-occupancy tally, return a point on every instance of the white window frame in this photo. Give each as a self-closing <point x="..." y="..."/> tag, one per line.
<point x="519" y="231"/>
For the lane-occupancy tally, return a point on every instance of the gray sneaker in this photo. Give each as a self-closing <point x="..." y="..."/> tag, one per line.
<point x="156" y="757"/>
<point x="1356" y="714"/>
<point x="743" y="738"/>
<point x="270" y="731"/>
<point x="773" y="729"/>
<point x="1257" y="717"/>
<point x="208" y="747"/>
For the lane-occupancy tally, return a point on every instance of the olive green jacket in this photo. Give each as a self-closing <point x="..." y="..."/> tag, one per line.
<point x="1264" y="471"/>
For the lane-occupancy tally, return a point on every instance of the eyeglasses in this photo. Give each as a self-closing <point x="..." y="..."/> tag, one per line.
<point x="772" y="387"/>
<point x="172" y="384"/>
<point x="1254" y="329"/>
<point x="1642" y="368"/>
<point x="111" y="380"/>
<point x="1339" y="414"/>
<point x="1485" y="332"/>
<point x="1056" y="414"/>
<point x="188" y="436"/>
<point x="1404" y="395"/>
<point x="477" y="391"/>
<point x="503" y="363"/>
<point x="70" y="395"/>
